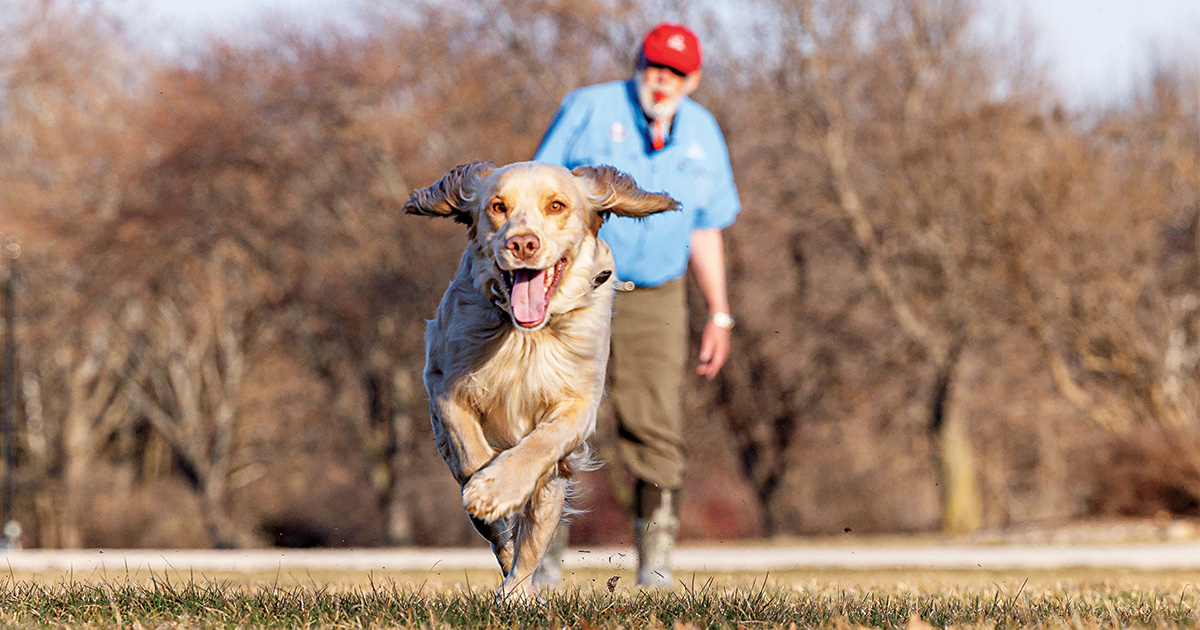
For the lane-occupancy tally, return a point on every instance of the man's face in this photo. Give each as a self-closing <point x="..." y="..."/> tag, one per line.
<point x="660" y="89"/>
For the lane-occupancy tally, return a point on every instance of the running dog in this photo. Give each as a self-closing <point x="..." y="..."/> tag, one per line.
<point x="515" y="357"/>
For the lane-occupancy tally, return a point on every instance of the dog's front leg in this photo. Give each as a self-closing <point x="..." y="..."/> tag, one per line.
<point x="462" y="444"/>
<point x="505" y="485"/>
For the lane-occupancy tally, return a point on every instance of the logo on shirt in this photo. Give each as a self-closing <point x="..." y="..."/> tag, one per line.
<point x="618" y="132"/>
<point x="696" y="152"/>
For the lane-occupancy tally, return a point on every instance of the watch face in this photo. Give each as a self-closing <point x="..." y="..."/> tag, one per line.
<point x="722" y="320"/>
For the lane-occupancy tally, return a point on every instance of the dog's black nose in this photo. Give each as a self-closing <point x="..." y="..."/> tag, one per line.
<point x="523" y="246"/>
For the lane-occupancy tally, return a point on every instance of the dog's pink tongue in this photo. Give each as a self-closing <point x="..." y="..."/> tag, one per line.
<point x="529" y="296"/>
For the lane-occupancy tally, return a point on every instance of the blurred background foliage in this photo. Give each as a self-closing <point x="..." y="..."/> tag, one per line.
<point x="962" y="307"/>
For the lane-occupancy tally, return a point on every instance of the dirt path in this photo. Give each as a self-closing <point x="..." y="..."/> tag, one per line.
<point x="731" y="557"/>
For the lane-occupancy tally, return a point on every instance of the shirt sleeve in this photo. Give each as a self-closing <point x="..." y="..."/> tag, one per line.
<point x="564" y="132"/>
<point x="723" y="204"/>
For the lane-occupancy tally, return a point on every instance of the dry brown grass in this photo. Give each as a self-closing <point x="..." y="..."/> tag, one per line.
<point x="808" y="599"/>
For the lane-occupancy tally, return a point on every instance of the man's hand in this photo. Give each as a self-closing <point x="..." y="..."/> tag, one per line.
<point x="714" y="350"/>
<point x="708" y="263"/>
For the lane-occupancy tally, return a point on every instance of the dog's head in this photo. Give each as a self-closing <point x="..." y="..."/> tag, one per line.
<point x="533" y="226"/>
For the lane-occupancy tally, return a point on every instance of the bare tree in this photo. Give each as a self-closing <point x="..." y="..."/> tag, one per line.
<point x="201" y="341"/>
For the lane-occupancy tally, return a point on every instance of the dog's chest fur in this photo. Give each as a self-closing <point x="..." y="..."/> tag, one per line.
<point x="532" y="372"/>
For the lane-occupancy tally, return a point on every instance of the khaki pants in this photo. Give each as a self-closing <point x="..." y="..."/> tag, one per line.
<point x="646" y="368"/>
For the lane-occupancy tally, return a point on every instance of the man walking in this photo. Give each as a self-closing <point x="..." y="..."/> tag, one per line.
<point x="649" y="128"/>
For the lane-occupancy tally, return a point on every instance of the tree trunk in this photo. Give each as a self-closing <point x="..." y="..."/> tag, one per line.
<point x="962" y="507"/>
<point x="218" y="524"/>
<point x="76" y="466"/>
<point x="397" y="511"/>
<point x="77" y="450"/>
<point x="961" y="504"/>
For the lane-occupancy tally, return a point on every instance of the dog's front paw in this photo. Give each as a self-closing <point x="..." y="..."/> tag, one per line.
<point x="489" y="496"/>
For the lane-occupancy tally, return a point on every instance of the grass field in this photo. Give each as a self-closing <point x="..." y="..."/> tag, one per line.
<point x="843" y="600"/>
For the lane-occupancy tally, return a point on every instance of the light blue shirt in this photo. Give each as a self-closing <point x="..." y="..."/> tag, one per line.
<point x="603" y="124"/>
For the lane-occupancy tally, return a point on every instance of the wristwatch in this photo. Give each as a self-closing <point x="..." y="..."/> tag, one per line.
<point x="722" y="320"/>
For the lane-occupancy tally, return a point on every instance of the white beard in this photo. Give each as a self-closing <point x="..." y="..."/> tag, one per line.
<point x="662" y="110"/>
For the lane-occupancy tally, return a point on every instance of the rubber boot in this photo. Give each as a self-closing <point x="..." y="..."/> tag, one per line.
<point x="655" y="529"/>
<point x="549" y="573"/>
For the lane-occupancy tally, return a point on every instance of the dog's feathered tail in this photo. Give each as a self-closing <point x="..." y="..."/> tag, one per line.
<point x="580" y="460"/>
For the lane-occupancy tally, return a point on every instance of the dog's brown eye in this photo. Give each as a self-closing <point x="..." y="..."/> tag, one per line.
<point x="498" y="208"/>
<point x="556" y="207"/>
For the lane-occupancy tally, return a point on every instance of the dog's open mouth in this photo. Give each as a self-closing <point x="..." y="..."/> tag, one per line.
<point x="530" y="291"/>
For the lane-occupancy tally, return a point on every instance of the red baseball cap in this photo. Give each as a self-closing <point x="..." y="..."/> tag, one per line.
<point x="674" y="46"/>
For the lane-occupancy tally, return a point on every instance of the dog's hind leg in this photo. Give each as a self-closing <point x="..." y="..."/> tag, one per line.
<point x="499" y="535"/>
<point x="535" y="527"/>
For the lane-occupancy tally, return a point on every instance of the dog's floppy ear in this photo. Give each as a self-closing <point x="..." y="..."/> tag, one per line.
<point x="451" y="195"/>
<point x="610" y="190"/>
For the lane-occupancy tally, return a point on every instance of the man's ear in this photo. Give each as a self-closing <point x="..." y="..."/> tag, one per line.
<point x="610" y="190"/>
<point x="451" y="195"/>
<point x="690" y="83"/>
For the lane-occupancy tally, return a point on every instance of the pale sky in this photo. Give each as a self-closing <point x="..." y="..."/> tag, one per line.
<point x="210" y="15"/>
<point x="1097" y="49"/>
